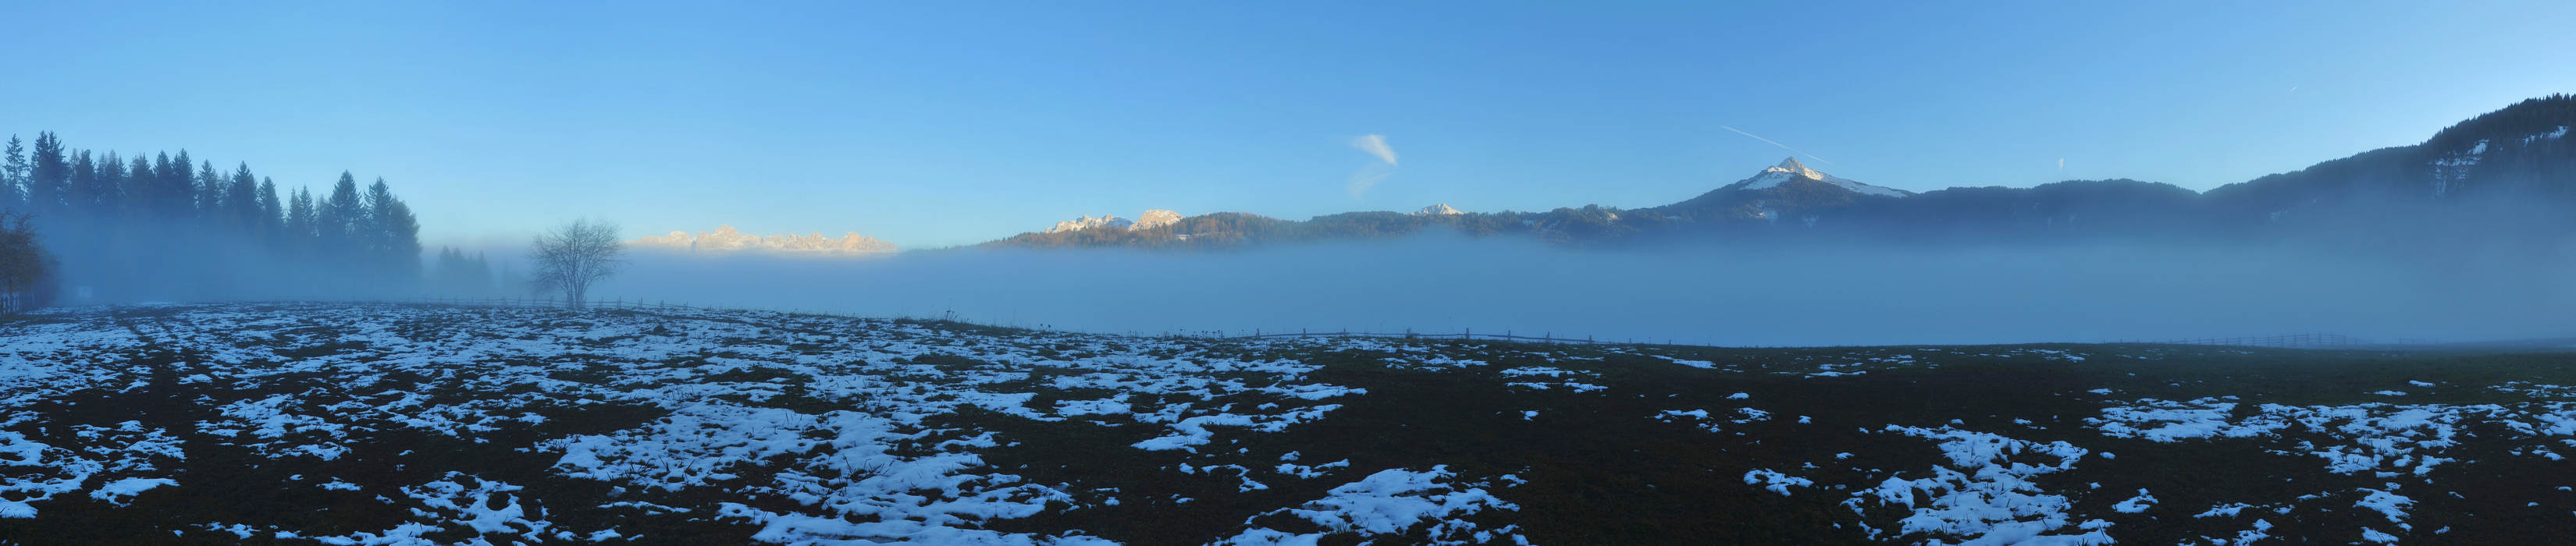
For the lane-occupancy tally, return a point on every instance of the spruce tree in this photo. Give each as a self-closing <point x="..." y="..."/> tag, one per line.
<point x="270" y="211"/>
<point x="13" y="177"/>
<point x="167" y="194"/>
<point x="76" y="185"/>
<point x="88" y="191"/>
<point x="300" y="223"/>
<point x="370" y="231"/>
<point x="241" y="201"/>
<point x="336" y="219"/>
<point x="137" y="189"/>
<point x="209" y="187"/>
<point x="393" y="233"/>
<point x="48" y="175"/>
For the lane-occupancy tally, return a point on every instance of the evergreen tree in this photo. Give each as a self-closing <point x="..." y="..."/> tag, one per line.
<point x="241" y="201"/>
<point x="270" y="211"/>
<point x="13" y="177"/>
<point x="171" y="193"/>
<point x="107" y="196"/>
<point x="394" y="234"/>
<point x="459" y="274"/>
<point x="336" y="218"/>
<point x="182" y="189"/>
<point x="138" y="189"/>
<point x="367" y="230"/>
<point x="85" y="186"/>
<point x="301" y="226"/>
<point x="48" y="176"/>
<point x="210" y="189"/>
<point x="78" y="171"/>
<point x="483" y="281"/>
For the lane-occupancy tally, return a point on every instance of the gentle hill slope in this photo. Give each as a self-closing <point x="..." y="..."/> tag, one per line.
<point x="410" y="424"/>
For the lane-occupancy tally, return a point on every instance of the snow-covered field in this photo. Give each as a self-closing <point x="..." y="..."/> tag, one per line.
<point x="363" y="424"/>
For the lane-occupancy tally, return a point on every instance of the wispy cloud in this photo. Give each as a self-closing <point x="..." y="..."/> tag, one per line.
<point x="1370" y="175"/>
<point x="1375" y="145"/>
<point x="1782" y="146"/>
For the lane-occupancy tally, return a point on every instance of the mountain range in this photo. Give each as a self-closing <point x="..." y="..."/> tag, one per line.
<point x="725" y="239"/>
<point x="2511" y="172"/>
<point x="2507" y="175"/>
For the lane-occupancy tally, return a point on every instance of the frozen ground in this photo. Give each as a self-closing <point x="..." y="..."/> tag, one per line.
<point x="433" y="425"/>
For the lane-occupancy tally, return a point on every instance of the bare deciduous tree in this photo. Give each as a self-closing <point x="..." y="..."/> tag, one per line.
<point x="26" y="270"/>
<point x="571" y="257"/>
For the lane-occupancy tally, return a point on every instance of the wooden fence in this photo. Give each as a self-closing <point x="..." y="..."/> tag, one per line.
<point x="1464" y="334"/>
<point x="621" y="304"/>
<point x="2291" y="341"/>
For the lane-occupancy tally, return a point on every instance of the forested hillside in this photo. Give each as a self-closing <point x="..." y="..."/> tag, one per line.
<point x="169" y="226"/>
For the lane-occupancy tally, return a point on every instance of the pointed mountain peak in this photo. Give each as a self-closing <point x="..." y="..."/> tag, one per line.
<point x="1794" y="168"/>
<point x="1790" y="169"/>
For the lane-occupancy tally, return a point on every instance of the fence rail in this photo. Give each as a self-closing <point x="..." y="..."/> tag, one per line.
<point x="1409" y="334"/>
<point x="2291" y="341"/>
<point x="621" y="304"/>
<point x="613" y="303"/>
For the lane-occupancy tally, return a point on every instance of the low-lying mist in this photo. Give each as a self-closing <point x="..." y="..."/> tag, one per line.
<point x="1772" y="296"/>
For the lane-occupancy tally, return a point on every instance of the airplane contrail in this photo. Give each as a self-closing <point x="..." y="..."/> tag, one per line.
<point x="1782" y="146"/>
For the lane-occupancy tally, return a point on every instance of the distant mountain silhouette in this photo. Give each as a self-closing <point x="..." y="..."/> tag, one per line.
<point x="2507" y="174"/>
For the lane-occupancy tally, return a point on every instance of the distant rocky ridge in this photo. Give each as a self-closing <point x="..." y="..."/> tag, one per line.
<point x="1156" y="218"/>
<point x="1151" y="219"/>
<point x="725" y="239"/>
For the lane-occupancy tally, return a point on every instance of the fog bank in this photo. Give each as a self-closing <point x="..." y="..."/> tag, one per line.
<point x="1742" y="297"/>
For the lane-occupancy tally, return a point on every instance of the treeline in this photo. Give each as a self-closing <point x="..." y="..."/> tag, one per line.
<point x="169" y="226"/>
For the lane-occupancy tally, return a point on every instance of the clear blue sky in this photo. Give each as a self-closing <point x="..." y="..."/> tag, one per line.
<point x="930" y="124"/>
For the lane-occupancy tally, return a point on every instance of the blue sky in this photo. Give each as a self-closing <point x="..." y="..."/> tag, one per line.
<point x="950" y="123"/>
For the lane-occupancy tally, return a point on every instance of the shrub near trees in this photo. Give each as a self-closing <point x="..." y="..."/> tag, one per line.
<point x="171" y="226"/>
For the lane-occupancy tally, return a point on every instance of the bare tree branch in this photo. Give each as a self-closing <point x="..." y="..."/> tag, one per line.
<point x="570" y="258"/>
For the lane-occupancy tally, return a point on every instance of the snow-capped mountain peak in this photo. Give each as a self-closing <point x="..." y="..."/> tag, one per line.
<point x="1088" y="222"/>
<point x="1156" y="218"/>
<point x="1790" y="169"/>
<point x="1441" y="209"/>
<point x="1151" y="219"/>
<point x="725" y="239"/>
<point x="1792" y="166"/>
